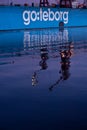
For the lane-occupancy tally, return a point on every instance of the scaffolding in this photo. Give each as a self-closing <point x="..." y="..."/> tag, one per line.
<point x="44" y="3"/>
<point x="66" y="3"/>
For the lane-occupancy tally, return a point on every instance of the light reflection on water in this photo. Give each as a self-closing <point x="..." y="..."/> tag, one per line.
<point x="43" y="79"/>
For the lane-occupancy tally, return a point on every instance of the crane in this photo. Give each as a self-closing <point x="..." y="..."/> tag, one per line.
<point x="44" y="3"/>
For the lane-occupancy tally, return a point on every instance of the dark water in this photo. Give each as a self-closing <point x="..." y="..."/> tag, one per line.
<point x="43" y="80"/>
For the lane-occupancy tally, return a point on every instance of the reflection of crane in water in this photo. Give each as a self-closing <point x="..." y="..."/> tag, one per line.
<point x="44" y="57"/>
<point x="65" y="65"/>
<point x="42" y="63"/>
<point x="34" y="79"/>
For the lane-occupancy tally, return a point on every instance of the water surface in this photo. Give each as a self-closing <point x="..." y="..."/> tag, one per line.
<point x="43" y="79"/>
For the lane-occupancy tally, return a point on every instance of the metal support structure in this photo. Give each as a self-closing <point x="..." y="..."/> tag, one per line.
<point x="66" y="3"/>
<point x="44" y="3"/>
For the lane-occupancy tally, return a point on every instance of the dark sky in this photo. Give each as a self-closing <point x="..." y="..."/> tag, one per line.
<point x="30" y="1"/>
<point x="25" y="1"/>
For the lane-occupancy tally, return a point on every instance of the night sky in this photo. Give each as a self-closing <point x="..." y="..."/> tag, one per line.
<point x="29" y="2"/>
<point x="25" y="1"/>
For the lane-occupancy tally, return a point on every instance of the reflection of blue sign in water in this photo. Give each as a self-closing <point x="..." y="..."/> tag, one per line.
<point x="22" y="41"/>
<point x="45" y="37"/>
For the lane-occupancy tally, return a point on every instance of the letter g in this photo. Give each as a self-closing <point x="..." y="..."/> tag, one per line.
<point x="26" y="17"/>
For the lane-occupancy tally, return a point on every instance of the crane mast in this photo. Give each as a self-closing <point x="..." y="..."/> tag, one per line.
<point x="44" y="3"/>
